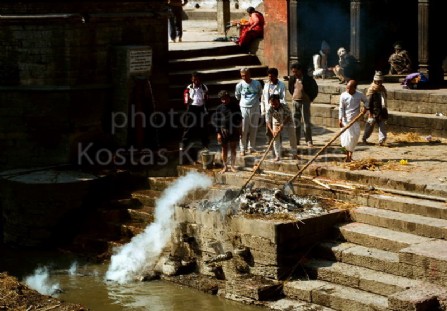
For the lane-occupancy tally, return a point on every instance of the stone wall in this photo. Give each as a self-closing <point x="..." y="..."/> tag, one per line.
<point x="56" y="64"/>
<point x="260" y="247"/>
<point x="419" y="111"/>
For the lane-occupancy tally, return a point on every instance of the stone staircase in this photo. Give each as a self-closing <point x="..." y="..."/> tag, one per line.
<point x="390" y="255"/>
<point x="128" y="211"/>
<point x="219" y="67"/>
<point x="377" y="264"/>
<point x="419" y="111"/>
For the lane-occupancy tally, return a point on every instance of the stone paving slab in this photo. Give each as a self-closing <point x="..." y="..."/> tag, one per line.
<point x="377" y="237"/>
<point x="432" y="254"/>
<point x="420" y="225"/>
<point x="335" y="296"/>
<point x="376" y="282"/>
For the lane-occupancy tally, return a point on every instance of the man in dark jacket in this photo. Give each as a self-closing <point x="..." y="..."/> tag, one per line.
<point x="304" y="90"/>
<point x="377" y="109"/>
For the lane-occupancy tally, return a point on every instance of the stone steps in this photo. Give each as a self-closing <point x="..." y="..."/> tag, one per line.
<point x="146" y="197"/>
<point x="420" y="225"/>
<point x="381" y="264"/>
<point x="217" y="74"/>
<point x="419" y="111"/>
<point x="335" y="296"/>
<point x="377" y="237"/>
<point x="295" y="305"/>
<point x="410" y="205"/>
<point x="160" y="183"/>
<point x="212" y="61"/>
<point x="366" y="257"/>
<point x="216" y="51"/>
<point x="376" y="282"/>
<point x="421" y="261"/>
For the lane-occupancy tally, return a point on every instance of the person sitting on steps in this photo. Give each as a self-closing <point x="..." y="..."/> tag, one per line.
<point x="253" y="30"/>
<point x="400" y="62"/>
<point x="346" y="68"/>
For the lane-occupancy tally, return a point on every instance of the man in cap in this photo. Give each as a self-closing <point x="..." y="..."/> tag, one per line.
<point x="377" y="109"/>
<point x="400" y="62"/>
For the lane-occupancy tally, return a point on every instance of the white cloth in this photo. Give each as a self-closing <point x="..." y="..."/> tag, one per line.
<point x="320" y="64"/>
<point x="198" y="95"/>
<point x="350" y="137"/>
<point x="269" y="88"/>
<point x="349" y="108"/>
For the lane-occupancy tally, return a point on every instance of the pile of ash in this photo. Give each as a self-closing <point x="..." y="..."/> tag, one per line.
<point x="263" y="201"/>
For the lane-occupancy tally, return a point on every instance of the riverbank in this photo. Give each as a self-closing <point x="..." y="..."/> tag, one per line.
<point x="17" y="296"/>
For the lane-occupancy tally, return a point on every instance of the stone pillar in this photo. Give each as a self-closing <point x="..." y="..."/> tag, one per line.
<point x="423" y="36"/>
<point x="293" y="31"/>
<point x="223" y="15"/>
<point x="355" y="29"/>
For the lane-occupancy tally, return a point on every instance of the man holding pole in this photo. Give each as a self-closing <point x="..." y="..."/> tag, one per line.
<point x="349" y="108"/>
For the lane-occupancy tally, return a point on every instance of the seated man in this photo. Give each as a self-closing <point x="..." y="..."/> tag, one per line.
<point x="320" y="67"/>
<point x="400" y="61"/>
<point x="253" y="29"/>
<point x="347" y="65"/>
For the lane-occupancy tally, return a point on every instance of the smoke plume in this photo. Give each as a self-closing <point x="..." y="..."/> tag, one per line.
<point x="145" y="248"/>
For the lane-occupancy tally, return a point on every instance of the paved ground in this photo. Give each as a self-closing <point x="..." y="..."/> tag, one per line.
<point x="427" y="161"/>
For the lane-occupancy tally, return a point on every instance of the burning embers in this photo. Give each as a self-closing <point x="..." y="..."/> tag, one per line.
<point x="262" y="201"/>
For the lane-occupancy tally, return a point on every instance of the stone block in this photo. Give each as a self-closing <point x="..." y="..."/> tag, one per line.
<point x="421" y="298"/>
<point x="257" y="288"/>
<point x="302" y="290"/>
<point x="431" y="255"/>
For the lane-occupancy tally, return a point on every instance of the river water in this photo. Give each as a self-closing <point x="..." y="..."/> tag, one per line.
<point x="73" y="280"/>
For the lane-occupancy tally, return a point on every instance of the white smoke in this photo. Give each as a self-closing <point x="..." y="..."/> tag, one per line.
<point x="73" y="269"/>
<point x="145" y="248"/>
<point x="40" y="281"/>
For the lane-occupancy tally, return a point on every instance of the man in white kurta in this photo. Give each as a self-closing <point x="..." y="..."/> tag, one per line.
<point x="349" y="108"/>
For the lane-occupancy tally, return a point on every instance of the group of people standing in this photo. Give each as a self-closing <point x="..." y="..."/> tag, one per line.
<point x="237" y="123"/>
<point x="236" y="120"/>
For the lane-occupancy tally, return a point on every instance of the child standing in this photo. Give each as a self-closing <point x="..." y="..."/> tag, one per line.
<point x="279" y="117"/>
<point x="227" y="120"/>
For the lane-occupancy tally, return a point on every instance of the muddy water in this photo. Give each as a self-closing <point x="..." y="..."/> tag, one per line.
<point x="93" y="292"/>
<point x="84" y="283"/>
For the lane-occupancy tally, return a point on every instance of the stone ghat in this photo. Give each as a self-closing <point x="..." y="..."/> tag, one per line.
<point x="380" y="251"/>
<point x="241" y="248"/>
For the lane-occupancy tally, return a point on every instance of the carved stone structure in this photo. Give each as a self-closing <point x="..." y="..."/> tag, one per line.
<point x="369" y="29"/>
<point x="56" y="81"/>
